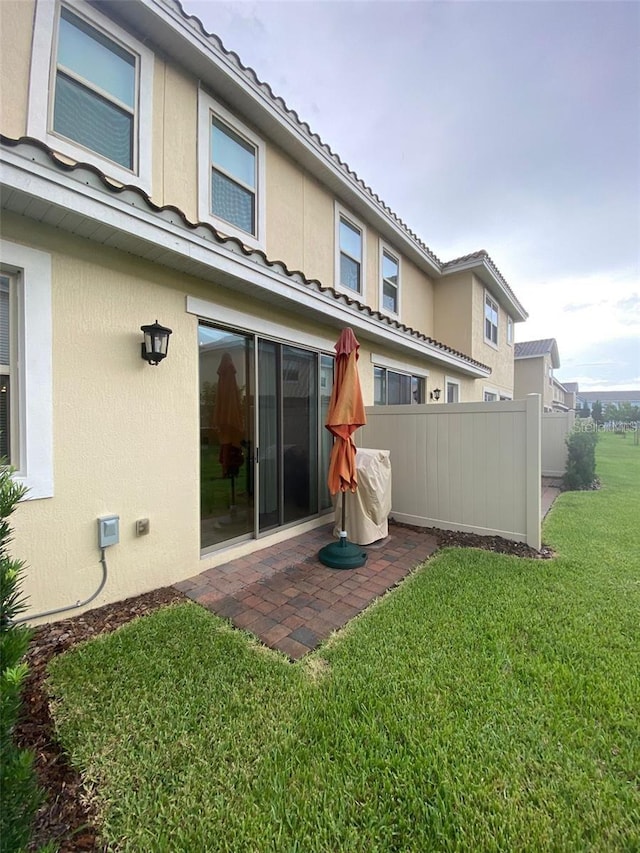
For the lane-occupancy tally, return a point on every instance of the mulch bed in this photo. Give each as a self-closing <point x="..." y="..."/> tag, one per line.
<point x="66" y="818"/>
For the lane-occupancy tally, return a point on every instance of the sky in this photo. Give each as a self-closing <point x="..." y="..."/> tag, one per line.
<point x="507" y="126"/>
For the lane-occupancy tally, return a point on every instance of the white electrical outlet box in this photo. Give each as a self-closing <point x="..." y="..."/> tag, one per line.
<point x="108" y="530"/>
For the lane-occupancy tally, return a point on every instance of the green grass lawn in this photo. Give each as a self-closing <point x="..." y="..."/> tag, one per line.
<point x="489" y="703"/>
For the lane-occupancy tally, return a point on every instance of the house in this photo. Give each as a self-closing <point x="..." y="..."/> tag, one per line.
<point x="148" y="175"/>
<point x="534" y="363"/>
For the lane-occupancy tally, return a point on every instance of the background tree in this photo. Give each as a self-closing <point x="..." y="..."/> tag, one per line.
<point x="596" y="412"/>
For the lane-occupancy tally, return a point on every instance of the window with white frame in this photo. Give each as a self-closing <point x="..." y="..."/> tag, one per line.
<point x="8" y="432"/>
<point x="91" y="90"/>
<point x="26" y="418"/>
<point x="392" y="388"/>
<point x="510" y="331"/>
<point x="453" y="391"/>
<point x="389" y="281"/>
<point x="231" y="181"/>
<point x="490" y="320"/>
<point x="490" y="396"/>
<point x="350" y="252"/>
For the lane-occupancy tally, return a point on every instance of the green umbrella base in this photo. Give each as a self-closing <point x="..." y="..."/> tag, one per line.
<point x="342" y="555"/>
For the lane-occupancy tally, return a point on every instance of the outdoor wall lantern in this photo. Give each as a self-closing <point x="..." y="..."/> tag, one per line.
<point x="435" y="394"/>
<point x="156" y="342"/>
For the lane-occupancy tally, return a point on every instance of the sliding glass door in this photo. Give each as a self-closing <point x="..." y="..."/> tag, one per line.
<point x="281" y="396"/>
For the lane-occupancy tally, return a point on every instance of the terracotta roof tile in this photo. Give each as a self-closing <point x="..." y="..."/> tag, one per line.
<point x="255" y="254"/>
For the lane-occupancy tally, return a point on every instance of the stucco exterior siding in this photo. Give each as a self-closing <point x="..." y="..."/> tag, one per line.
<point x="16" y="25"/>
<point x="416" y="298"/>
<point x="453" y="311"/>
<point x="175" y="141"/>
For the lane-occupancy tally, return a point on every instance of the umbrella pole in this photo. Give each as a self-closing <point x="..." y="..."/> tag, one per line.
<point x="344" y="512"/>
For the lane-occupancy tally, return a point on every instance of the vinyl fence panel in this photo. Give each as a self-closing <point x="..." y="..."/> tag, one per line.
<point x="473" y="467"/>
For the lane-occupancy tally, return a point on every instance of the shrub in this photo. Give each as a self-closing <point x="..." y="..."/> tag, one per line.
<point x="19" y="793"/>
<point x="581" y="461"/>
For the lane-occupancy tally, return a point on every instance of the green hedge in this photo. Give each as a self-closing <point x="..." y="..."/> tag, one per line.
<point x="19" y="793"/>
<point x="581" y="461"/>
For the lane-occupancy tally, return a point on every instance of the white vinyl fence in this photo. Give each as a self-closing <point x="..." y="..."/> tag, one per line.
<point x="555" y="427"/>
<point x="473" y="467"/>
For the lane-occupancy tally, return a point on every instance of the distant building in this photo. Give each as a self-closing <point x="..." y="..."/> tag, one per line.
<point x="615" y="398"/>
<point x="534" y="363"/>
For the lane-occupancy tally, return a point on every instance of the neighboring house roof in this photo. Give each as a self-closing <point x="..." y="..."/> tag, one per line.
<point x="223" y="69"/>
<point x="535" y="349"/>
<point x="571" y="387"/>
<point x="26" y="146"/>
<point x="632" y="397"/>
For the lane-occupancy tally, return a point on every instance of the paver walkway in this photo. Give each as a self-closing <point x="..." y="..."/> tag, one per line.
<point x="286" y="597"/>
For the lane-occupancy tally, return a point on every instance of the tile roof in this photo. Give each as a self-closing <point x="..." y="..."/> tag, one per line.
<point x="528" y="349"/>
<point x="482" y="256"/>
<point x="254" y="254"/>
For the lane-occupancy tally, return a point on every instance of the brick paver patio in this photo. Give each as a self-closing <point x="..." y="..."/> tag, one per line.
<point x="286" y="597"/>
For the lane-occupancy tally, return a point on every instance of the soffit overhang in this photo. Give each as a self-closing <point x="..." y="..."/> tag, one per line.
<point x="35" y="183"/>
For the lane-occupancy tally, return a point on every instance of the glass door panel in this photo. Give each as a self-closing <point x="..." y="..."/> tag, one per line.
<point x="226" y="436"/>
<point x="299" y="433"/>
<point x="269" y="443"/>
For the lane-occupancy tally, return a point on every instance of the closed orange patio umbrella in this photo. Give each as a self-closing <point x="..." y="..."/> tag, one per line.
<point x="346" y="414"/>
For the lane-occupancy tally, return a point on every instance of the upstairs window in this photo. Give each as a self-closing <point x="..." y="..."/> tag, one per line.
<point x="234" y="179"/>
<point x="231" y="159"/>
<point x="95" y="91"/>
<point x="350" y="256"/>
<point x="350" y="252"/>
<point x="490" y="320"/>
<point x="390" y="282"/>
<point x="91" y="91"/>
<point x="509" y="331"/>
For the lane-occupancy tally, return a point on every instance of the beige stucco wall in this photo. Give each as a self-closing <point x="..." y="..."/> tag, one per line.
<point x="300" y="213"/>
<point x="16" y="22"/>
<point x="453" y="312"/>
<point x="126" y="435"/>
<point x="175" y="141"/>
<point x="532" y="377"/>
<point x="417" y="298"/>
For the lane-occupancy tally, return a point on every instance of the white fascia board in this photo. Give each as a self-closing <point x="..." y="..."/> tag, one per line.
<point x="127" y="213"/>
<point x="198" y="41"/>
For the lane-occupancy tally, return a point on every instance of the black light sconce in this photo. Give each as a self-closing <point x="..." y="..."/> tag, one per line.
<point x="435" y="394"/>
<point x="156" y="342"/>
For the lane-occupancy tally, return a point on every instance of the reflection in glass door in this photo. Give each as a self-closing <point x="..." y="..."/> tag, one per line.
<point x="226" y="435"/>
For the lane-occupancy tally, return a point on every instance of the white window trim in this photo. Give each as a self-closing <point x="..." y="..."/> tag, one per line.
<point x="449" y="380"/>
<point x="398" y="366"/>
<point x="42" y="89"/>
<point x="207" y="107"/>
<point x="510" y="330"/>
<point x="384" y="247"/>
<point x="34" y="367"/>
<point x="345" y="214"/>
<point x="488" y="389"/>
<point x="494" y="301"/>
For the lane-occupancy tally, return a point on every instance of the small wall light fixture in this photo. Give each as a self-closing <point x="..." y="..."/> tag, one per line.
<point x="156" y="342"/>
<point x="435" y="394"/>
